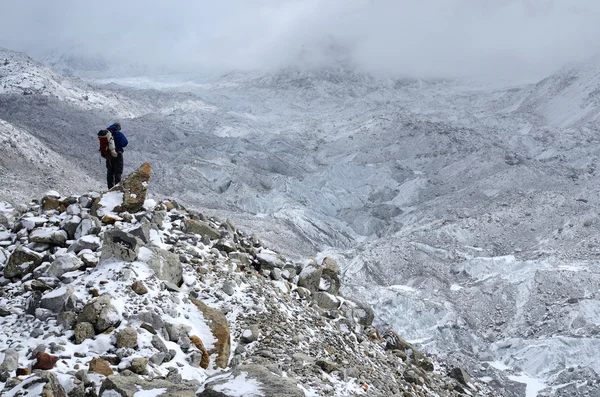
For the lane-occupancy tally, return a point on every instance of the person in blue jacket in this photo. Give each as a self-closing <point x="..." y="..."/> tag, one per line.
<point x="114" y="165"/>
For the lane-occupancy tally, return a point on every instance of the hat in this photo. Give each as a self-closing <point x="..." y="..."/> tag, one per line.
<point x="114" y="127"/>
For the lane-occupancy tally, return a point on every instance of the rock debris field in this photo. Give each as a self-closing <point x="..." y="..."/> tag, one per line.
<point x="115" y="294"/>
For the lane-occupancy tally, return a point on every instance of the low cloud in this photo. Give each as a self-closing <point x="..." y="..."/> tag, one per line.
<point x="495" y="39"/>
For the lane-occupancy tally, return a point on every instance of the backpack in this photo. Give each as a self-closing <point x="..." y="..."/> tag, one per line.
<point x="107" y="144"/>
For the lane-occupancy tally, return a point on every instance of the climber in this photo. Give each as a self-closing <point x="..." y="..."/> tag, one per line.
<point x="114" y="165"/>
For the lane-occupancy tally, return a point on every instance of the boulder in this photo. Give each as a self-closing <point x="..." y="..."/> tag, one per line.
<point x="165" y="264"/>
<point x="120" y="245"/>
<point x="64" y="263"/>
<point x="21" y="262"/>
<point x="395" y="342"/>
<point x="90" y="225"/>
<point x="128" y="386"/>
<point x="461" y="375"/>
<point x="45" y="361"/>
<point x="51" y="386"/>
<point x="70" y="225"/>
<point x="330" y="276"/>
<point x="138" y="365"/>
<point x="48" y="235"/>
<point x="51" y="201"/>
<point x="142" y="232"/>
<point x="127" y="196"/>
<point x="362" y="313"/>
<point x="310" y="277"/>
<point x="89" y="242"/>
<point x="100" y="366"/>
<point x="83" y="331"/>
<point x="100" y="313"/>
<point x="219" y="327"/>
<point x="139" y="288"/>
<point x="202" y="228"/>
<point x="269" y="260"/>
<point x="325" y="300"/>
<point x="56" y="301"/>
<point x="11" y="361"/>
<point x="126" y="338"/>
<point x="176" y="331"/>
<point x="251" y="334"/>
<point x="253" y="379"/>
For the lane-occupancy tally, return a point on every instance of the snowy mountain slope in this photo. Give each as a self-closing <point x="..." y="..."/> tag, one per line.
<point x="570" y="97"/>
<point x="20" y="75"/>
<point x="28" y="166"/>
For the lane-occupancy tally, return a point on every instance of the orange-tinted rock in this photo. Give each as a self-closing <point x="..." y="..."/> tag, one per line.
<point x="200" y="346"/>
<point x="219" y="327"/>
<point x="100" y="366"/>
<point x="45" y="361"/>
<point x="23" y="371"/>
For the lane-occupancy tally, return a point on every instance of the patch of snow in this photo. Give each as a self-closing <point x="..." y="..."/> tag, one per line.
<point x="240" y="387"/>
<point x="150" y="393"/>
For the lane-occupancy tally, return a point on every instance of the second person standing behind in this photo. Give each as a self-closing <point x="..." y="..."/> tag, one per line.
<point x="114" y="165"/>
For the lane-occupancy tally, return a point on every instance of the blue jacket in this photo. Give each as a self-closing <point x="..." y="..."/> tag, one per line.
<point x="120" y="141"/>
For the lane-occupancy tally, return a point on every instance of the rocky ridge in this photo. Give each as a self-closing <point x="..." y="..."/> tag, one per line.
<point x="98" y="301"/>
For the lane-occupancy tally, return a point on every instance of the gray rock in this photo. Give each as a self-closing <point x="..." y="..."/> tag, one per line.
<point x="142" y="232"/>
<point x="150" y="317"/>
<point x="100" y="313"/>
<point x="88" y="258"/>
<point x="165" y="264"/>
<point x="276" y="274"/>
<point x="228" y="287"/>
<point x="269" y="260"/>
<point x="251" y="334"/>
<point x="67" y="320"/>
<point x="89" y="225"/>
<point x="89" y="242"/>
<point x="37" y="332"/>
<point x="70" y="225"/>
<point x="138" y="365"/>
<point x="56" y="300"/>
<point x="21" y="262"/>
<point x="159" y="345"/>
<point x="202" y="228"/>
<point x="43" y="314"/>
<point x="84" y="331"/>
<point x="325" y="300"/>
<point x="158" y="358"/>
<point x="460" y="375"/>
<point x="64" y="263"/>
<point x="363" y="314"/>
<point x="327" y="366"/>
<point x="310" y="277"/>
<point x="176" y="331"/>
<point x="194" y="359"/>
<point x="330" y="277"/>
<point x="126" y="338"/>
<point x="240" y="257"/>
<point x="120" y="245"/>
<point x="128" y="386"/>
<point x="268" y="383"/>
<point x="169" y="286"/>
<point x="11" y="360"/>
<point x="33" y="302"/>
<point x="48" y="235"/>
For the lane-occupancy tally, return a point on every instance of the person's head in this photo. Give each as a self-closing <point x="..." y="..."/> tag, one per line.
<point x="116" y="126"/>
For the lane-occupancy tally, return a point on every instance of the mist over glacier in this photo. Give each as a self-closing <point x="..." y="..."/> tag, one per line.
<point x="516" y="40"/>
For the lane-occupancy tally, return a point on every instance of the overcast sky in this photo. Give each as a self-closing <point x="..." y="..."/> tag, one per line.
<point x="507" y="39"/>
